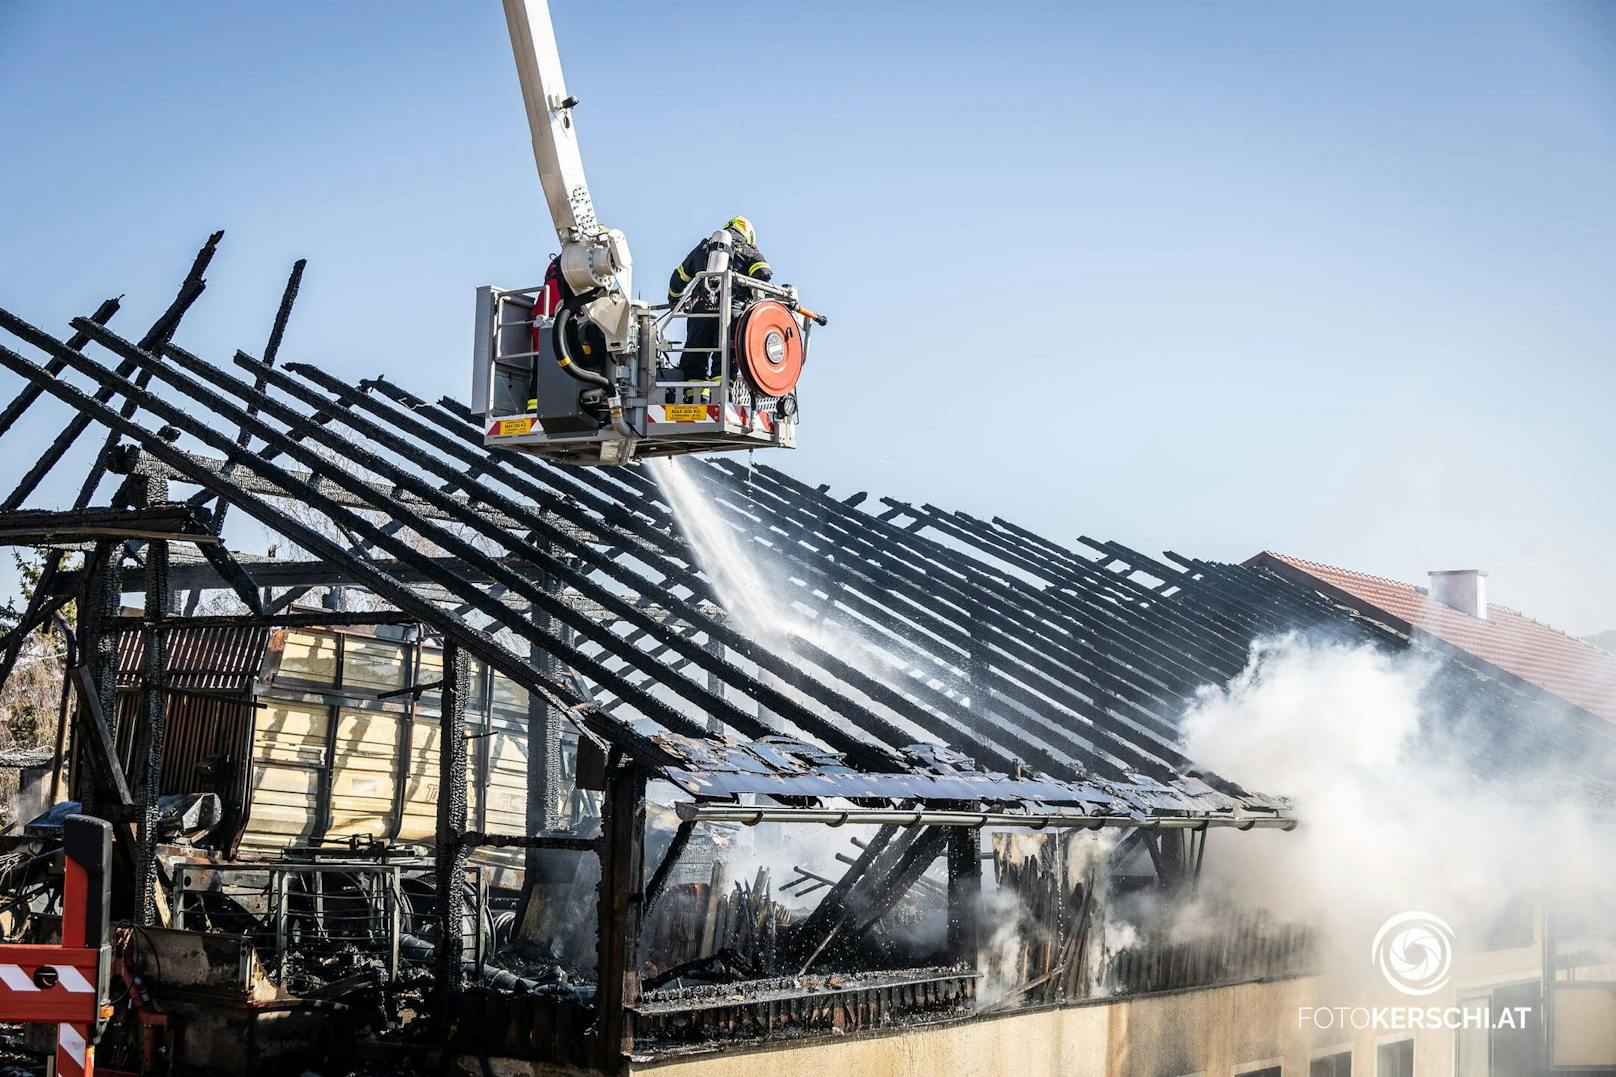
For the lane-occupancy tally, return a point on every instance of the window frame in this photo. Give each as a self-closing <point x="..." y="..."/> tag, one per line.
<point x="1333" y="1051"/>
<point x="1248" y="1069"/>
<point x="1387" y="1041"/>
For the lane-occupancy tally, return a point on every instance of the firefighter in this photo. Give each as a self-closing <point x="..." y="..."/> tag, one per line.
<point x="699" y="359"/>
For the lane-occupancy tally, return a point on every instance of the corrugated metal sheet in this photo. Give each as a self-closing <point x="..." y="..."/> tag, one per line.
<point x="211" y="659"/>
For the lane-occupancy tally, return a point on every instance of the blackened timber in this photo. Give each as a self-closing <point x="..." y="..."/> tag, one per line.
<point x="1211" y="640"/>
<point x="816" y="931"/>
<point x="160" y="330"/>
<point x="876" y="566"/>
<point x="481" y="840"/>
<point x="558" y="611"/>
<point x="879" y="898"/>
<point x="95" y="744"/>
<point x="835" y="736"/>
<point x="77" y="341"/>
<point x="451" y="855"/>
<point x="97" y="684"/>
<point x="479" y="643"/>
<point x="277" y="330"/>
<point x="281" y="572"/>
<point x="233" y="574"/>
<point x="701" y="656"/>
<point x="670" y="859"/>
<point x="965" y="726"/>
<point x="322" y="619"/>
<point x="248" y="481"/>
<point x="920" y="554"/>
<point x="303" y="535"/>
<point x="42" y="527"/>
<point x="153" y="713"/>
<point x="543" y="809"/>
<point x="965" y="894"/>
<point x="1141" y="692"/>
<point x="903" y="560"/>
<point x="789" y="672"/>
<point x="1173" y="661"/>
<point x="620" y="905"/>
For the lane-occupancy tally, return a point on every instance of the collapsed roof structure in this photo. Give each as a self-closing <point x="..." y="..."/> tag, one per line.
<point x="955" y="673"/>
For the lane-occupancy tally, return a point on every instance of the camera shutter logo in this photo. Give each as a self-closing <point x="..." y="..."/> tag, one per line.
<point x="1414" y="951"/>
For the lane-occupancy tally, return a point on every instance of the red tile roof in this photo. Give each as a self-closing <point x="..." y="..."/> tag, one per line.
<point x="1574" y="670"/>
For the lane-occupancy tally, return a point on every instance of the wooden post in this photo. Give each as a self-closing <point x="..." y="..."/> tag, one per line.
<point x="148" y="754"/>
<point x="450" y="856"/>
<point x="965" y="894"/>
<point x="622" y="871"/>
<point x="98" y="652"/>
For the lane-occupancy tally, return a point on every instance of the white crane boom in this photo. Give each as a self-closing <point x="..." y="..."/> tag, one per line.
<point x="592" y="257"/>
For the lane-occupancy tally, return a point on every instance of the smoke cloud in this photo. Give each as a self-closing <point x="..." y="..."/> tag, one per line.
<point x="1396" y="815"/>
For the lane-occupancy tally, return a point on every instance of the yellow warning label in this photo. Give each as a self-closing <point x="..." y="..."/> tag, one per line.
<point x="686" y="413"/>
<point x="509" y="427"/>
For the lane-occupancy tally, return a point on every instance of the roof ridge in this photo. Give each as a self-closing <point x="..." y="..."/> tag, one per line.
<point x="1294" y="559"/>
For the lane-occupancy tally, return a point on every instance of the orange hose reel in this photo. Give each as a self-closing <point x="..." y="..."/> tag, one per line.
<point x="769" y="341"/>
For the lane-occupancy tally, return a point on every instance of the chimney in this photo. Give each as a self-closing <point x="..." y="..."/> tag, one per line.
<point x="1465" y="589"/>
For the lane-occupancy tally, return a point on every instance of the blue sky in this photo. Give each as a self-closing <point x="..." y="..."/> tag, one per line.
<point x="1328" y="279"/>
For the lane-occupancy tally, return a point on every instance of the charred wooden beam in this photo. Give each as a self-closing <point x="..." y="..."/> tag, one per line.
<point x="30" y="393"/>
<point x="476" y="641"/>
<point x="96" y="746"/>
<point x="249" y="481"/>
<point x="149" y="737"/>
<point x="282" y="314"/>
<point x="41" y="527"/>
<point x="718" y="704"/>
<point x="670" y="859"/>
<point x="572" y="842"/>
<point x="161" y="330"/>
<point x="965" y="895"/>
<point x="323" y="619"/>
<point x="451" y="854"/>
<point x="97" y="681"/>
<point x="620" y="905"/>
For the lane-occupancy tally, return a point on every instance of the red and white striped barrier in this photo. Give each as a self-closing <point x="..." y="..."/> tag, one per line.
<point x="66" y="985"/>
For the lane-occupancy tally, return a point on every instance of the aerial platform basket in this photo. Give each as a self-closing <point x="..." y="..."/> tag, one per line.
<point x="543" y="387"/>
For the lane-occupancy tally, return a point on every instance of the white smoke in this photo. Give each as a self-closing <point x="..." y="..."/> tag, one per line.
<point x="1394" y="817"/>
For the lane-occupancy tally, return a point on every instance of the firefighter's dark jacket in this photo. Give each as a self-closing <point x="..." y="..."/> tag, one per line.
<point x="744" y="258"/>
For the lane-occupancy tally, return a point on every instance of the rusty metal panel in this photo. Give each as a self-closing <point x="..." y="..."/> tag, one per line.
<point x="211" y="659"/>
